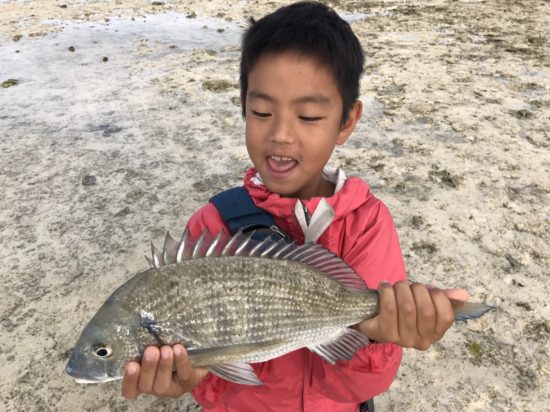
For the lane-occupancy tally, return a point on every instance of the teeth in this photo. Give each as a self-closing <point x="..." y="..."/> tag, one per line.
<point x="281" y="158"/>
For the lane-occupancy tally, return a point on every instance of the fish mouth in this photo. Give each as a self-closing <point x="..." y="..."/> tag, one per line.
<point x="87" y="381"/>
<point x="85" y="377"/>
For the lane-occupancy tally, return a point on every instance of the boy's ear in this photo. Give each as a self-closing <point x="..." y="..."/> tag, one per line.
<point x="353" y="117"/>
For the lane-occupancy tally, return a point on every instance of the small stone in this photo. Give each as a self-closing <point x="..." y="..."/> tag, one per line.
<point x="105" y="59"/>
<point x="444" y="177"/>
<point x="9" y="83"/>
<point x="123" y="212"/>
<point x="63" y="6"/>
<point x="514" y="263"/>
<point x="200" y="187"/>
<point x="424" y="247"/>
<point x="417" y="222"/>
<point x="524" y="305"/>
<point x="111" y="130"/>
<point x="71" y="49"/>
<point x="192" y="15"/>
<point x="522" y="113"/>
<point x="217" y="85"/>
<point x="517" y="283"/>
<point x="17" y="37"/>
<point x="158" y="3"/>
<point x="89" y="180"/>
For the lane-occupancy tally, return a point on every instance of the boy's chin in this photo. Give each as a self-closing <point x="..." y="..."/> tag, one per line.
<point x="282" y="189"/>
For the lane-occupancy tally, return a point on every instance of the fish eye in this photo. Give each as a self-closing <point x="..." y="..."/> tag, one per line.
<point x="102" y="350"/>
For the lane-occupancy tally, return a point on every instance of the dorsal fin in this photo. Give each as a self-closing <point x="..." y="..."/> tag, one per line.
<point x="242" y="244"/>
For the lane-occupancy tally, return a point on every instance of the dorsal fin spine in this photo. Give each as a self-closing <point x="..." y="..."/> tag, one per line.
<point x="232" y="242"/>
<point x="212" y="249"/>
<point x="198" y="246"/>
<point x="241" y="250"/>
<point x="267" y="243"/>
<point x="278" y="253"/>
<point x="289" y="255"/>
<point x="243" y="244"/>
<point x="168" y="251"/>
<point x="157" y="259"/>
<point x="268" y="250"/>
<point x="299" y="255"/>
<point x="181" y="246"/>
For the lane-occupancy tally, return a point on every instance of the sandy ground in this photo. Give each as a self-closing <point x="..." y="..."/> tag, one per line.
<point x="109" y="113"/>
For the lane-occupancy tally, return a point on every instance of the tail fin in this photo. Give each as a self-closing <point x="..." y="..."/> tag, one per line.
<point x="469" y="310"/>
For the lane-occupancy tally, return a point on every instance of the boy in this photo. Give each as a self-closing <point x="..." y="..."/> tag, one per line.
<point x="300" y="71"/>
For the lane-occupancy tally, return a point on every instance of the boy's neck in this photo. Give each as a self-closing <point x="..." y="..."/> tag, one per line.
<point x="326" y="189"/>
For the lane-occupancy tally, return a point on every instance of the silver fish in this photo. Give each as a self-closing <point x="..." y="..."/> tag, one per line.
<point x="232" y="301"/>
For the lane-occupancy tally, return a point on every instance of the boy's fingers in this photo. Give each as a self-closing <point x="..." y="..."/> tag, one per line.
<point x="425" y="313"/>
<point x="444" y="311"/>
<point x="130" y="381"/>
<point x="199" y="374"/>
<point x="149" y="364"/>
<point x="184" y="370"/>
<point x="457" y="294"/>
<point x="406" y="305"/>
<point x="384" y="327"/>
<point x="163" y="379"/>
<point x="187" y="375"/>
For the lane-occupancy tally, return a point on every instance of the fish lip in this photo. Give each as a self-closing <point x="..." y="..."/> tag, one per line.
<point x="86" y="378"/>
<point x="91" y="381"/>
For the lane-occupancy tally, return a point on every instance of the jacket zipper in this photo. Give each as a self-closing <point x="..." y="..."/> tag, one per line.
<point x="306" y="213"/>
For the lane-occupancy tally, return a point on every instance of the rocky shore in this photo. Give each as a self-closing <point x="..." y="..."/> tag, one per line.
<point x="110" y="113"/>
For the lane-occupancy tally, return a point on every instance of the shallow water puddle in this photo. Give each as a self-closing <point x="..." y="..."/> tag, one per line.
<point x="88" y="65"/>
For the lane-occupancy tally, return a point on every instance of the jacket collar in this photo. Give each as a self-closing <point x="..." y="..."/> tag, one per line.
<point x="350" y="193"/>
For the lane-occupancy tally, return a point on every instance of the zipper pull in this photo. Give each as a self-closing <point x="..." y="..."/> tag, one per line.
<point x="277" y="230"/>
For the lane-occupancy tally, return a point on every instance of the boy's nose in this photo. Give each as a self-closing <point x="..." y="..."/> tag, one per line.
<point x="281" y="133"/>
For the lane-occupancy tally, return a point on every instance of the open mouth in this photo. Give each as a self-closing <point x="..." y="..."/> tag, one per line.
<point x="281" y="165"/>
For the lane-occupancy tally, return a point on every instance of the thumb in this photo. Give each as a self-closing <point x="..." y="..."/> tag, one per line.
<point x="368" y="327"/>
<point x="200" y="373"/>
<point x="457" y="294"/>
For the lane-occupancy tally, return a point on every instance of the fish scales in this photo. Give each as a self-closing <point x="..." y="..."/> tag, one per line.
<point x="231" y="301"/>
<point x="286" y="299"/>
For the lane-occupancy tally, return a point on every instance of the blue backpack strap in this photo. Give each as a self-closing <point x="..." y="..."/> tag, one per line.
<point x="239" y="211"/>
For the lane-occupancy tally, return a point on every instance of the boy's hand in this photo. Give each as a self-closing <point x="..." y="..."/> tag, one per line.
<point x="155" y="375"/>
<point x="412" y="315"/>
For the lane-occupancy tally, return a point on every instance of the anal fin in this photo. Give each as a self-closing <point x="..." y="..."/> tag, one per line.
<point x="342" y="346"/>
<point x="236" y="372"/>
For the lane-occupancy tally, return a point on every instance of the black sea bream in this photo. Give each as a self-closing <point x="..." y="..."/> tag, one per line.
<point x="232" y="301"/>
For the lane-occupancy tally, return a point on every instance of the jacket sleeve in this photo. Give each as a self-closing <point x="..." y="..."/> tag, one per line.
<point x="375" y="255"/>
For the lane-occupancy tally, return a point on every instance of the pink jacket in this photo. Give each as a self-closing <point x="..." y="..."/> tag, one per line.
<point x="364" y="235"/>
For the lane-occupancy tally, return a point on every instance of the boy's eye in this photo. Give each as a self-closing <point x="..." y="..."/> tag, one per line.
<point x="260" y="114"/>
<point x="310" y="118"/>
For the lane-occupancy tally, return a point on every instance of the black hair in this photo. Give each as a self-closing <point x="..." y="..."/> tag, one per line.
<point x="313" y="30"/>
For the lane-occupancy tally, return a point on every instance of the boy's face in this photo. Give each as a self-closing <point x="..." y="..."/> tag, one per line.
<point x="293" y="122"/>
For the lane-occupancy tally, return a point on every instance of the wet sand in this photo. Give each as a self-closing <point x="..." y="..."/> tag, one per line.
<point x="110" y="113"/>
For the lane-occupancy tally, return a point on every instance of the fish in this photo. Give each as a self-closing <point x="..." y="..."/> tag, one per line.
<point x="232" y="301"/>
